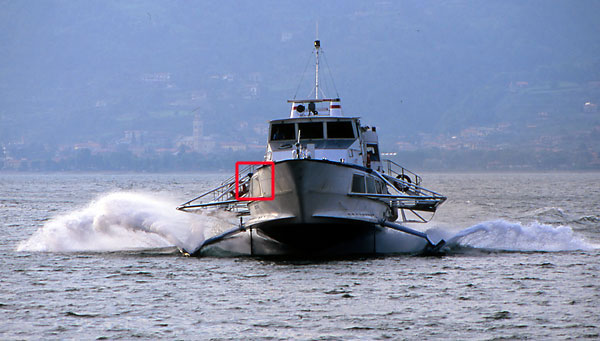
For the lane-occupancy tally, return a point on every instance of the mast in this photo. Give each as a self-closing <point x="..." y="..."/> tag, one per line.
<point x="317" y="46"/>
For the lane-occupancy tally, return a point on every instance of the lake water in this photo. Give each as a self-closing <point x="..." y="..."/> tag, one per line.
<point x="92" y="257"/>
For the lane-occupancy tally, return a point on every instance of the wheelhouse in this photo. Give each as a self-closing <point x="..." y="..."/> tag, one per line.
<point x="329" y="138"/>
<point x="317" y="129"/>
<point x="313" y="129"/>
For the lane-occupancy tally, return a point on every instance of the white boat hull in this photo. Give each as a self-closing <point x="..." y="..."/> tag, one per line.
<point x="312" y="211"/>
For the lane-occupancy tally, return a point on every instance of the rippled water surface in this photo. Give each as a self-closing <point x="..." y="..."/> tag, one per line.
<point x="93" y="257"/>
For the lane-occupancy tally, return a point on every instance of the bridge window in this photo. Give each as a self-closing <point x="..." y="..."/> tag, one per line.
<point x="311" y="130"/>
<point x="340" y="130"/>
<point x="283" y="131"/>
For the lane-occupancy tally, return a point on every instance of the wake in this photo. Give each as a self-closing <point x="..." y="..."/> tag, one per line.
<point x="502" y="235"/>
<point x="125" y="221"/>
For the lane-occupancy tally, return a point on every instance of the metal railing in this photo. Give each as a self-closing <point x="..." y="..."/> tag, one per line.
<point x="224" y="194"/>
<point x="393" y="169"/>
<point x="409" y="197"/>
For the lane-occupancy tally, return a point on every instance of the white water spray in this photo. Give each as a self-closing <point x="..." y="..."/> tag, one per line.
<point x="125" y="221"/>
<point x="506" y="236"/>
<point x="128" y="221"/>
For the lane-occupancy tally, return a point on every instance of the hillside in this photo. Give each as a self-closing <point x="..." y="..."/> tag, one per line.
<point x="79" y="72"/>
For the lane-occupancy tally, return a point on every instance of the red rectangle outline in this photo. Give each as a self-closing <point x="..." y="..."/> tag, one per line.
<point x="237" y="180"/>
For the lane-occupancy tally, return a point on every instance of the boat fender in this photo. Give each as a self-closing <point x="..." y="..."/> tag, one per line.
<point x="400" y="185"/>
<point x="404" y="177"/>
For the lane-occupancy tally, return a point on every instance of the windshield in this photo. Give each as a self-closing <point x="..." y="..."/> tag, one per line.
<point x="340" y="130"/>
<point x="283" y="131"/>
<point x="311" y="130"/>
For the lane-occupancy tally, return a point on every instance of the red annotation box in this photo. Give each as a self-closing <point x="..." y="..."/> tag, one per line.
<point x="271" y="164"/>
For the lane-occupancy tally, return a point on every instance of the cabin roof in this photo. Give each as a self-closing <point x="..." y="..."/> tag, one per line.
<point x="314" y="118"/>
<point x="314" y="100"/>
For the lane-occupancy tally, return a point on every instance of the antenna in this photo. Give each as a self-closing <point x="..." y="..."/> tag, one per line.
<point x="317" y="46"/>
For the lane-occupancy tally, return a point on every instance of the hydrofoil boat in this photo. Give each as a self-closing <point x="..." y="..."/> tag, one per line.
<point x="324" y="190"/>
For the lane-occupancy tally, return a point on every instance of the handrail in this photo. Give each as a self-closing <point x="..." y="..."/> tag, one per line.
<point x="223" y="194"/>
<point x="402" y="172"/>
<point x="217" y="191"/>
<point x="412" y="197"/>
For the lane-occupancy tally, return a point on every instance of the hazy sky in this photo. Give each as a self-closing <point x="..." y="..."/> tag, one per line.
<point x="74" y="69"/>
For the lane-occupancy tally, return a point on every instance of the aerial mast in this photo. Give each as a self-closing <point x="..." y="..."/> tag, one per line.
<point x="317" y="46"/>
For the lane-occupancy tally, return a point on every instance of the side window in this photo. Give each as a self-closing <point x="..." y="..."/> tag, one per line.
<point x="379" y="186"/>
<point x="358" y="183"/>
<point x="371" y="185"/>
